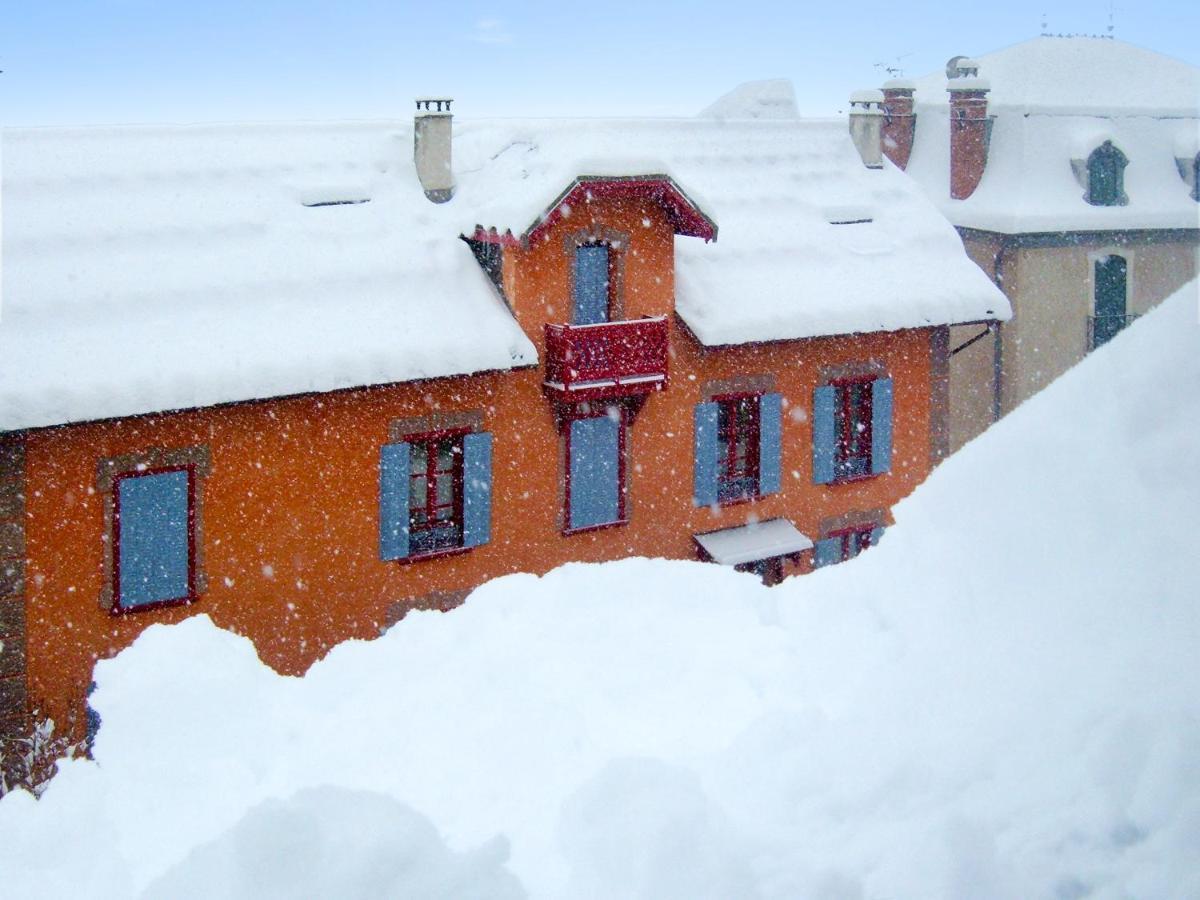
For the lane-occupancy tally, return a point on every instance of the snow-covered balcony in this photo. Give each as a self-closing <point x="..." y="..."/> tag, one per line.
<point x="608" y="359"/>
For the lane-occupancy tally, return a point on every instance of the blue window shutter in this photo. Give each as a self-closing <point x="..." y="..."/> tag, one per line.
<point x="393" y="501"/>
<point x="824" y="437"/>
<point x="827" y="552"/>
<point x="591" y="284"/>
<point x="770" y="415"/>
<point x="881" y="426"/>
<point x="704" y="485"/>
<point x="595" y="471"/>
<point x="876" y="535"/>
<point x="477" y="489"/>
<point x="155" y="550"/>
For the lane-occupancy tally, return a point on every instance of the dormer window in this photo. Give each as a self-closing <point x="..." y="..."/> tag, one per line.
<point x="1106" y="176"/>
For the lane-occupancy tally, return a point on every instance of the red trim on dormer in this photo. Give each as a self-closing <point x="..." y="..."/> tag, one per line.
<point x="492" y="236"/>
<point x="685" y="215"/>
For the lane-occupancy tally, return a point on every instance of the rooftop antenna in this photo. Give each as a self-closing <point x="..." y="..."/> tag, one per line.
<point x="894" y="71"/>
<point x="1045" y="26"/>
<point x="1111" y="25"/>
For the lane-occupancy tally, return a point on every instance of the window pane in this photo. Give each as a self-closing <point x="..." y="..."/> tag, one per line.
<point x="418" y="454"/>
<point x="445" y="489"/>
<point x="416" y="492"/>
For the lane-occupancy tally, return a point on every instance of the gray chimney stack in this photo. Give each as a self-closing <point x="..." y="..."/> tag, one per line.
<point x="431" y="147"/>
<point x="866" y="126"/>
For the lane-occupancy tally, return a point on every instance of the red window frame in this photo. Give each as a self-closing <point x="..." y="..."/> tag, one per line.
<point x="192" y="589"/>
<point x="433" y="477"/>
<point x="622" y="487"/>
<point x="852" y="414"/>
<point x="853" y="540"/>
<point x="738" y="416"/>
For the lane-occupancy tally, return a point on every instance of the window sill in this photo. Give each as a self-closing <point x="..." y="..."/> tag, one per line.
<point x="738" y="501"/>
<point x="853" y="479"/>
<point x="118" y="610"/>
<point x="567" y="532"/>
<point x="433" y="554"/>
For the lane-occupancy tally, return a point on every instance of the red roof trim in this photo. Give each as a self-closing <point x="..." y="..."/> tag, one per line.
<point x="492" y="236"/>
<point x="685" y="215"/>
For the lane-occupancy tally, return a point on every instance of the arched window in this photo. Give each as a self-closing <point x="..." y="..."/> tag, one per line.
<point x="1106" y="176"/>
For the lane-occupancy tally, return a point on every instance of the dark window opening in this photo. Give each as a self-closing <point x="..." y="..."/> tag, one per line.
<point x="738" y="436"/>
<point x="852" y="429"/>
<point x="1106" y="176"/>
<point x="435" y="494"/>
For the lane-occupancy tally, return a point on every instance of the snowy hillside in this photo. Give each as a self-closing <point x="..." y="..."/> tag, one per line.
<point x="998" y="702"/>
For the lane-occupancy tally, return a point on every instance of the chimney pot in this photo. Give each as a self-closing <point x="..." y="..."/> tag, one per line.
<point x="866" y="120"/>
<point x="970" y="128"/>
<point x="432" y="140"/>
<point x="899" y="120"/>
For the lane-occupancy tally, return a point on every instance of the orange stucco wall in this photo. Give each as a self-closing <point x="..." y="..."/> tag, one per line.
<point x="290" y="509"/>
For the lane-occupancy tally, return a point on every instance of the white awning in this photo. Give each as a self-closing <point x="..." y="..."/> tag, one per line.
<point x="753" y="542"/>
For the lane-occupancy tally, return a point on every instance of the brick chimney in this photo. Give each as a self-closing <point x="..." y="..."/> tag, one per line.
<point x="431" y="147"/>
<point x="970" y="128"/>
<point x="899" y="120"/>
<point x="866" y="119"/>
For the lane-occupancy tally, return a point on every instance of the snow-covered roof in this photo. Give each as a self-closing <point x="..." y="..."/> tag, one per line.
<point x="158" y="268"/>
<point x="155" y="268"/>
<point x="1055" y="100"/>
<point x="753" y="542"/>
<point x="1080" y="75"/>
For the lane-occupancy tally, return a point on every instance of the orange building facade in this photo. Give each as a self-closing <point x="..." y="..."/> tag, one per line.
<point x="287" y="520"/>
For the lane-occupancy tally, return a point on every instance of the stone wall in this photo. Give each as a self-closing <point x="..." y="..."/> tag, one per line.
<point x="14" y="699"/>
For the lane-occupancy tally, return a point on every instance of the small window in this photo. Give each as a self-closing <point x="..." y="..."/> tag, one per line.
<point x="435" y="494"/>
<point x="1196" y="178"/>
<point x="852" y="429"/>
<point x="595" y="471"/>
<point x="845" y="544"/>
<point x="737" y="446"/>
<point x="593" y="284"/>
<point x="1106" y="176"/>
<point x="154" y="544"/>
<point x="738" y="440"/>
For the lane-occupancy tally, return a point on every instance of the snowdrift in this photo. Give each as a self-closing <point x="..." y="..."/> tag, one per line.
<point x="999" y="701"/>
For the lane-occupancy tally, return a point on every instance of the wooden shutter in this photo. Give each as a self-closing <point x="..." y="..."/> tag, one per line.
<point x="595" y="472"/>
<point x="827" y="552"/>
<point x="393" y="500"/>
<point x="154" y="556"/>
<point x="770" y="415"/>
<point x="824" y="436"/>
<point x="707" y="454"/>
<point x="881" y="426"/>
<point x="477" y="489"/>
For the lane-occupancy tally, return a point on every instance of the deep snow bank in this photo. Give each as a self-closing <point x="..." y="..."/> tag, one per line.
<point x="1000" y="701"/>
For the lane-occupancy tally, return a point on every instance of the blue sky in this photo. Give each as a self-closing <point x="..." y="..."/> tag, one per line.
<point x="154" y="61"/>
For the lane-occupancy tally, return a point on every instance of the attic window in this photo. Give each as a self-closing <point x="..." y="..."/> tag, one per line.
<point x="1106" y="176"/>
<point x="348" y="202"/>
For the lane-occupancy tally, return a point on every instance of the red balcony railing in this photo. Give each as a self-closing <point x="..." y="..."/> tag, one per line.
<point x="610" y="359"/>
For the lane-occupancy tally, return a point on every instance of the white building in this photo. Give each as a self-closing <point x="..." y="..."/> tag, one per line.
<point x="1069" y="166"/>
